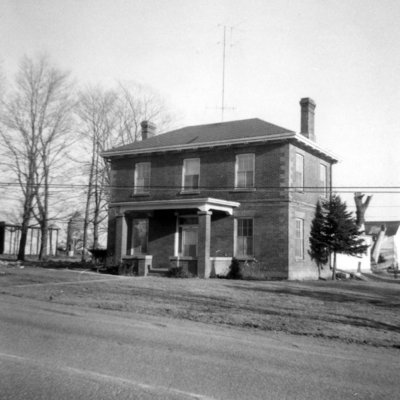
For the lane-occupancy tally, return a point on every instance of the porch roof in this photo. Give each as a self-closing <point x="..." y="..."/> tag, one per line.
<point x="202" y="204"/>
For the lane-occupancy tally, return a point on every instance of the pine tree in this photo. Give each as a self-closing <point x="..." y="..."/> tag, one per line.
<point x="340" y="231"/>
<point x="319" y="251"/>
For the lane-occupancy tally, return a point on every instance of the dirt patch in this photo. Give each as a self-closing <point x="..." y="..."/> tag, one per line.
<point x="351" y="311"/>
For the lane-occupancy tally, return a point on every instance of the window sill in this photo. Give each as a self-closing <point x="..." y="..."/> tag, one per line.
<point x="182" y="258"/>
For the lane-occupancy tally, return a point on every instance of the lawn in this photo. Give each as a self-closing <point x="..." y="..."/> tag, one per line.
<point x="352" y="311"/>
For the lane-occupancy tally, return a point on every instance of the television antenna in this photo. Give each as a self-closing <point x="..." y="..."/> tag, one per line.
<point x="223" y="106"/>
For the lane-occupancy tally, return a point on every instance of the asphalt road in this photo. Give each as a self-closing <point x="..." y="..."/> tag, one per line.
<point x="52" y="351"/>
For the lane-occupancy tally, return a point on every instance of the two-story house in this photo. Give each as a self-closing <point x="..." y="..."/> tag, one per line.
<point x="200" y="195"/>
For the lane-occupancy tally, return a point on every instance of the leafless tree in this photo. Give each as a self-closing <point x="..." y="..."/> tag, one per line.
<point x="361" y="208"/>
<point x="36" y="119"/>
<point x="97" y="114"/>
<point x="137" y="103"/>
<point x="110" y="118"/>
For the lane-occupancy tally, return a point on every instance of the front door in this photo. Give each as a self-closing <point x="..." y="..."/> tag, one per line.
<point x="188" y="236"/>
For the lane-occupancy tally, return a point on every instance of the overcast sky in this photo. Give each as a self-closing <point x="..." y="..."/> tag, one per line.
<point x="342" y="53"/>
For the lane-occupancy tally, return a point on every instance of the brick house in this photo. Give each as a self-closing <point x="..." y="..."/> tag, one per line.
<point x="200" y="195"/>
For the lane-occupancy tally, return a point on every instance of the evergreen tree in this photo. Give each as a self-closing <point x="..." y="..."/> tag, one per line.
<point x="319" y="251"/>
<point x="340" y="231"/>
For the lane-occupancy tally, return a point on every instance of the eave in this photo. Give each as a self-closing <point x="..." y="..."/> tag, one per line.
<point x="289" y="136"/>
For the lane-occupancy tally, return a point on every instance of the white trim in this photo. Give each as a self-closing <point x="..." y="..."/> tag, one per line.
<point x="309" y="143"/>
<point x="235" y="227"/>
<point x="205" y="204"/>
<point x="244" y="140"/>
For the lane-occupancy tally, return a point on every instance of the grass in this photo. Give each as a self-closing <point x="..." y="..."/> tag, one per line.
<point x="350" y="311"/>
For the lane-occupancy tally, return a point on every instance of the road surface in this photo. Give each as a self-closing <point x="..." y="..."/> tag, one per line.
<point x="53" y="351"/>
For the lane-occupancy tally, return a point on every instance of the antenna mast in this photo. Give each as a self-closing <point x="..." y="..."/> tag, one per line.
<point x="223" y="107"/>
<point x="223" y="74"/>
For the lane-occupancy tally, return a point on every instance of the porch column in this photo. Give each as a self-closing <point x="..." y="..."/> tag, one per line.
<point x="121" y="230"/>
<point x="204" y="237"/>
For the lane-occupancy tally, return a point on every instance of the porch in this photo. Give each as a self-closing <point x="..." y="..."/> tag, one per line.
<point x="152" y="235"/>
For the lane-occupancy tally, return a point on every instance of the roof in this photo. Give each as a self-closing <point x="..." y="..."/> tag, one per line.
<point x="220" y="134"/>
<point x="374" y="227"/>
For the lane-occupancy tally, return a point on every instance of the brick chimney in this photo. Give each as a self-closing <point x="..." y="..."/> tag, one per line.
<point x="307" y="117"/>
<point x="148" y="129"/>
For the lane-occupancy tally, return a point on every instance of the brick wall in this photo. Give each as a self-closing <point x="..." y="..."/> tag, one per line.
<point x="302" y="205"/>
<point x="272" y="205"/>
<point x="217" y="174"/>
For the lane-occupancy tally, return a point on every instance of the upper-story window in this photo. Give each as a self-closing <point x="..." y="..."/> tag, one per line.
<point x="244" y="171"/>
<point x="299" y="183"/>
<point x="323" y="179"/>
<point x="142" y="177"/>
<point x="191" y="174"/>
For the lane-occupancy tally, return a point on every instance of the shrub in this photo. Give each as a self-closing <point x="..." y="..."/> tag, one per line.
<point x="234" y="270"/>
<point x="178" y="272"/>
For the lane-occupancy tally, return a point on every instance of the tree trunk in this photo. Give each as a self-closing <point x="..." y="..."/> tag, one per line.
<point x="96" y="231"/>
<point x="86" y="223"/>
<point x="43" y="240"/>
<point x="334" y="266"/>
<point x="25" y="221"/>
<point x="44" y="226"/>
<point x="22" y="241"/>
<point x="97" y="199"/>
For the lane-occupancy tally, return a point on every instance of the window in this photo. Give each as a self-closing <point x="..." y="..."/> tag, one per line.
<point x="299" y="183"/>
<point x="244" y="237"/>
<point x="191" y="174"/>
<point x="138" y="231"/>
<point x="187" y="236"/>
<point x="299" y="239"/>
<point x="323" y="178"/>
<point x="142" y="178"/>
<point x="244" y="171"/>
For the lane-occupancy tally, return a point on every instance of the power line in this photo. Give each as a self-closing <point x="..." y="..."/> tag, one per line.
<point x="299" y="188"/>
<point x="57" y="187"/>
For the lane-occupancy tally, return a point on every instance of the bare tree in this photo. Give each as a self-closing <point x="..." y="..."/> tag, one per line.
<point x="36" y="119"/>
<point x="97" y="114"/>
<point x="137" y="103"/>
<point x="361" y="208"/>
<point x="110" y="118"/>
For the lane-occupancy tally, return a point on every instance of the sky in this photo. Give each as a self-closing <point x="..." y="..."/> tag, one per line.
<point x="345" y="55"/>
